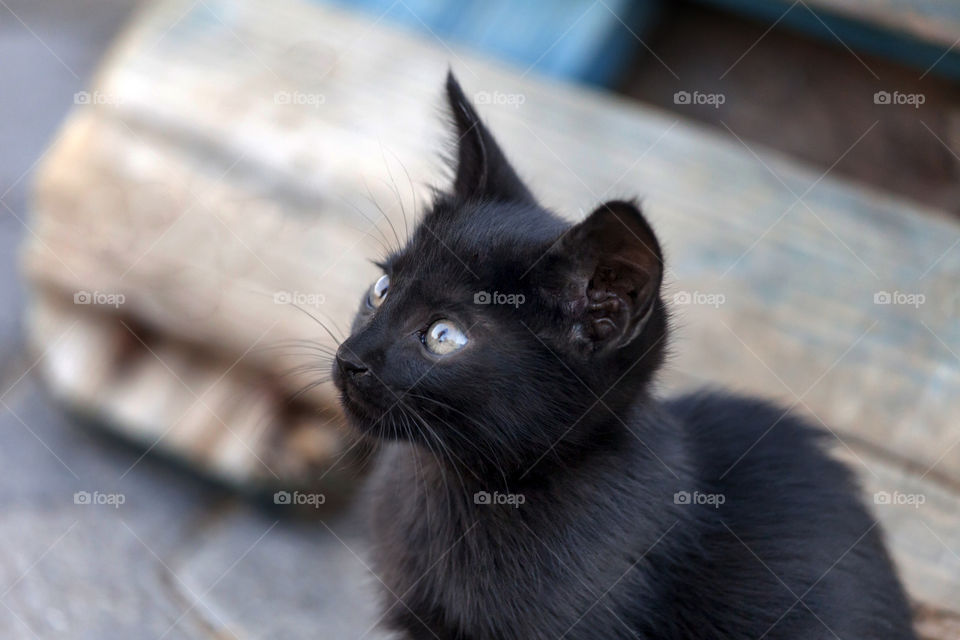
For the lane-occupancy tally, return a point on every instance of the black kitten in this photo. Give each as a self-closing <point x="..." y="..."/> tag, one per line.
<point x="530" y="486"/>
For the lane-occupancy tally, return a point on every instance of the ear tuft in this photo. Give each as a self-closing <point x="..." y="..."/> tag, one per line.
<point x="483" y="172"/>
<point x="614" y="269"/>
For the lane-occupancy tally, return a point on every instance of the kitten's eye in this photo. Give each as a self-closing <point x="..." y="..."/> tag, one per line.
<point x="378" y="291"/>
<point x="443" y="337"/>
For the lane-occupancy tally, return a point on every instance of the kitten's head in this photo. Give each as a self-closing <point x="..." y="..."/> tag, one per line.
<point x="500" y="333"/>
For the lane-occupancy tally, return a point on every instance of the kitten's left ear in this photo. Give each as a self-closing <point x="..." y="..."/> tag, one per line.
<point x="610" y="269"/>
<point x="483" y="172"/>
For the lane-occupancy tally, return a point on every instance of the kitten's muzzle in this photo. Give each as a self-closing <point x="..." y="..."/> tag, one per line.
<point x="357" y="384"/>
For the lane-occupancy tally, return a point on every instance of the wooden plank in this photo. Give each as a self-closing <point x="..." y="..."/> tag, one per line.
<point x="264" y="124"/>
<point x="930" y="24"/>
<point x="220" y="416"/>
<point x="929" y="20"/>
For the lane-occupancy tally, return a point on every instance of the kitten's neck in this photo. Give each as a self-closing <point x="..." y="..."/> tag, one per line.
<point x="645" y="438"/>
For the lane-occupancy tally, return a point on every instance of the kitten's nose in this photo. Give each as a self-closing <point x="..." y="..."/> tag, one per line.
<point x="350" y="365"/>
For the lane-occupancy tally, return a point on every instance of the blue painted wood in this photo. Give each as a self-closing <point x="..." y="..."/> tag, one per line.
<point x="582" y="40"/>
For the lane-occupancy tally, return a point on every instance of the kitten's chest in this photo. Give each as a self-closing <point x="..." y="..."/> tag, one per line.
<point x="494" y="567"/>
<point x="464" y="574"/>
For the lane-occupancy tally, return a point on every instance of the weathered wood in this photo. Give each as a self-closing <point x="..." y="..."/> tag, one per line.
<point x="928" y="20"/>
<point x="234" y="142"/>
<point x="224" y="416"/>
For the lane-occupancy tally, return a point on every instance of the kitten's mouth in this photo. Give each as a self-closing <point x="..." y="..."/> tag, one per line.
<point x="368" y="418"/>
<point x="355" y="402"/>
<point x="361" y="412"/>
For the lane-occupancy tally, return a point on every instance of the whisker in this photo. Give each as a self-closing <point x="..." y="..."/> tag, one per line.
<point x="443" y="448"/>
<point x="335" y="324"/>
<point x="307" y="388"/>
<point x="385" y="243"/>
<point x="413" y="192"/>
<point x="306" y="368"/>
<point x="423" y="484"/>
<point x="455" y="433"/>
<point x="403" y="210"/>
<point x="315" y="319"/>
<point x="383" y="213"/>
<point x="290" y="349"/>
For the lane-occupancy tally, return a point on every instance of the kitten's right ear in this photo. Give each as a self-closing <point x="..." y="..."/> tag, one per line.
<point x="606" y="273"/>
<point x="483" y="172"/>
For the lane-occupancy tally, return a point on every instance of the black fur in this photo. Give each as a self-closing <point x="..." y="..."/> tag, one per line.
<point x="548" y="405"/>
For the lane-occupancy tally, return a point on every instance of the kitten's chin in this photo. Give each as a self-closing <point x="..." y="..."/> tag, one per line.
<point x="358" y="409"/>
<point x="362" y="416"/>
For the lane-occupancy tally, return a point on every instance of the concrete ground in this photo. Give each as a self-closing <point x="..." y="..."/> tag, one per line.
<point x="179" y="558"/>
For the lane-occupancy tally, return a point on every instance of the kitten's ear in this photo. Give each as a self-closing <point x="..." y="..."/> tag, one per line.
<point x="610" y="269"/>
<point x="483" y="172"/>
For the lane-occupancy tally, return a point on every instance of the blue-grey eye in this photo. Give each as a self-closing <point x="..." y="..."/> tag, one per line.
<point x="444" y="336"/>
<point x="378" y="291"/>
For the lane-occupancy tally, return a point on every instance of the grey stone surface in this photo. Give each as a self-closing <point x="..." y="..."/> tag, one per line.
<point x="49" y="49"/>
<point x="297" y="579"/>
<point x="87" y="570"/>
<point x="11" y="289"/>
<point x="178" y="558"/>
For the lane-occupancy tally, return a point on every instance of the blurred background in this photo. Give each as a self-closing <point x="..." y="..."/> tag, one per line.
<point x="191" y="192"/>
